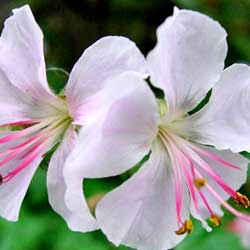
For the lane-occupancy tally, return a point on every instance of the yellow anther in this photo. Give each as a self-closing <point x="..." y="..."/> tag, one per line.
<point x="216" y="220"/>
<point x="242" y="200"/>
<point x="199" y="182"/>
<point x="187" y="227"/>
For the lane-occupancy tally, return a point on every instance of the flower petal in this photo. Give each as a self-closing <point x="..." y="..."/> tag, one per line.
<point x="21" y="54"/>
<point x="12" y="103"/>
<point x="16" y="106"/>
<point x="118" y="139"/>
<point x="141" y="213"/>
<point x="102" y="61"/>
<point x="56" y="188"/>
<point x="225" y="120"/>
<point x="122" y="132"/>
<point x="188" y="58"/>
<point x="235" y="178"/>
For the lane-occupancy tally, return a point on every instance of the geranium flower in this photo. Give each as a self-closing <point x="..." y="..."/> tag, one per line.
<point x="183" y="176"/>
<point x="38" y="119"/>
<point x="242" y="229"/>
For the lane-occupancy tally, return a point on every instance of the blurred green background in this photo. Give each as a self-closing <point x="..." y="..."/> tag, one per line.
<point x="69" y="27"/>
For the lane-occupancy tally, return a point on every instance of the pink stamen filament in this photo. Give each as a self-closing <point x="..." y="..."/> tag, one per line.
<point x="21" y="123"/>
<point x="21" y="133"/>
<point x="32" y="156"/>
<point x="202" y="164"/>
<point x="32" y="129"/>
<point x="184" y="153"/>
<point x="215" y="194"/>
<point x="224" y="203"/>
<point x="177" y="181"/>
<point x="32" y="148"/>
<point x="16" y="150"/>
<point x="214" y="157"/>
<point x="181" y="158"/>
<point x="212" y="173"/>
<point x="47" y="134"/>
<point x="205" y="202"/>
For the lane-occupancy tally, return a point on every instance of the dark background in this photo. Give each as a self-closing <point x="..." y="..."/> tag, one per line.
<point x="69" y="28"/>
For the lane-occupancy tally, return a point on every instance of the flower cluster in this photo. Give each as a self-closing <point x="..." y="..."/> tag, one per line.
<point x="108" y="119"/>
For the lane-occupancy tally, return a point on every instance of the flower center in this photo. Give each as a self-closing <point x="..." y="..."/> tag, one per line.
<point x="189" y="167"/>
<point x="28" y="140"/>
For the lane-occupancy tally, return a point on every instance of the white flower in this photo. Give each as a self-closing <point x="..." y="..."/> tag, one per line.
<point x="45" y="120"/>
<point x="183" y="176"/>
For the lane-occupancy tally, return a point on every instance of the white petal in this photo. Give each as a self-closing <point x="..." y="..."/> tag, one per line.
<point x="56" y="188"/>
<point x="225" y="121"/>
<point x="233" y="177"/>
<point x="13" y="103"/>
<point x="102" y="61"/>
<point x="188" y="58"/>
<point x="122" y="132"/>
<point x="12" y="193"/>
<point x="117" y="140"/>
<point x="141" y="212"/>
<point x="21" y="54"/>
<point x="16" y="106"/>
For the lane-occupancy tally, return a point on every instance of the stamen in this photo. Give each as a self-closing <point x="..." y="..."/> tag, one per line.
<point x="21" y="123"/>
<point x="187" y="227"/>
<point x="33" y="148"/>
<point x="205" y="202"/>
<point x="189" y="178"/>
<point x="177" y="178"/>
<point x="212" y="173"/>
<point x="214" y="157"/>
<point x="33" y="155"/>
<point x="22" y="133"/>
<point x="216" y="220"/>
<point x="242" y="200"/>
<point x="224" y="203"/>
<point x="199" y="182"/>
